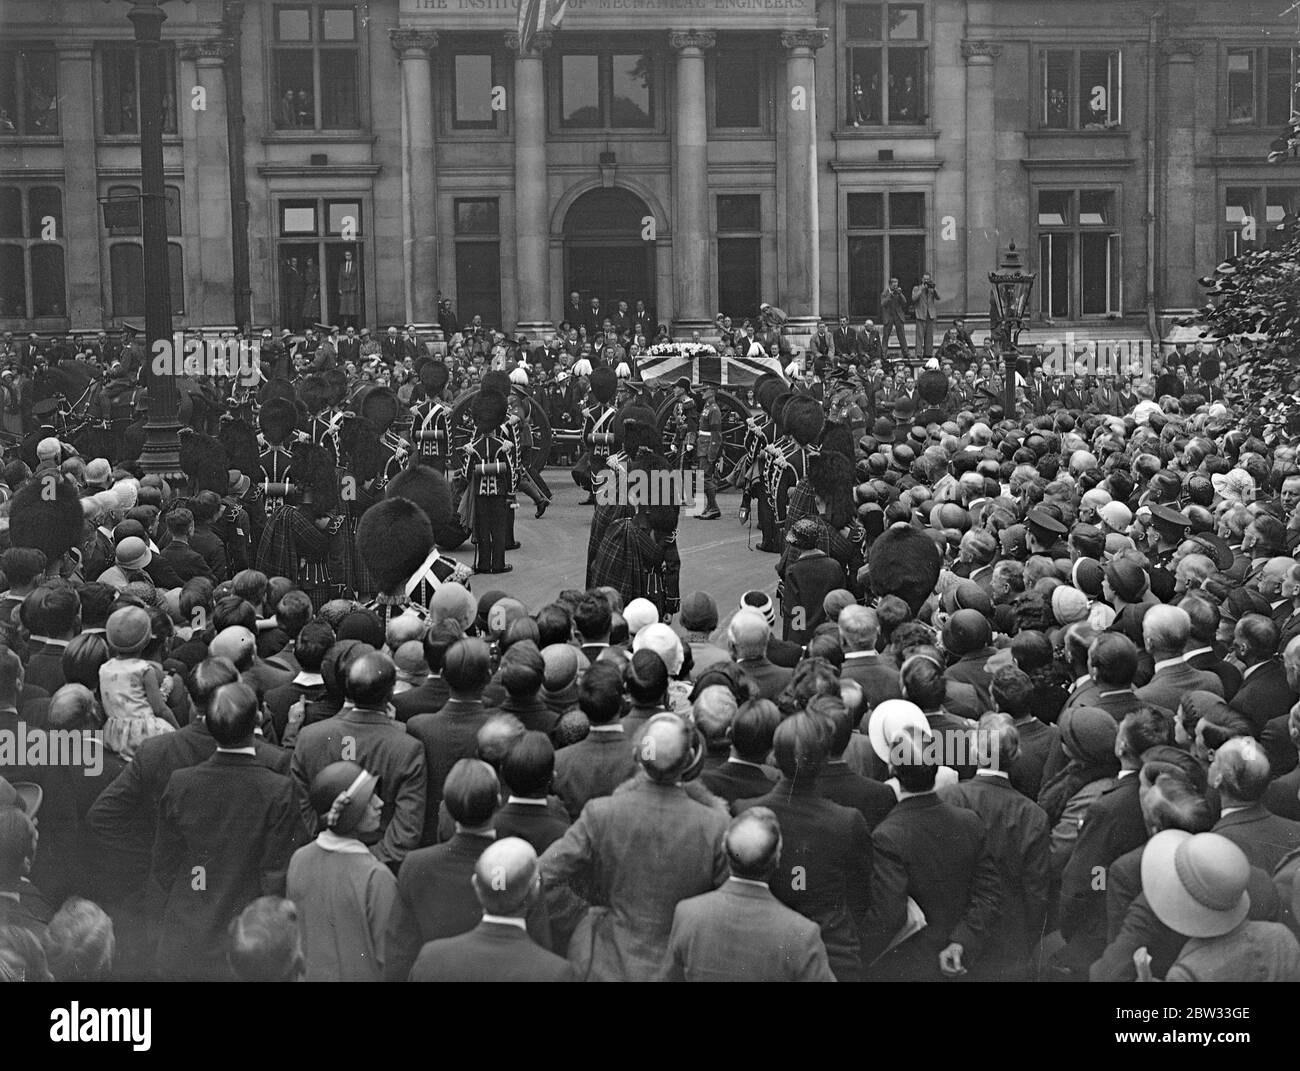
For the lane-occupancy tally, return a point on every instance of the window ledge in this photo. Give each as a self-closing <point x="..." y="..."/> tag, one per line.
<point x="23" y="141"/>
<point x="876" y="133"/>
<point x="1043" y="133"/>
<point x="134" y="139"/>
<point x="1251" y="129"/>
<point x="623" y="134"/>
<point x="320" y="137"/>
<point x="470" y="137"/>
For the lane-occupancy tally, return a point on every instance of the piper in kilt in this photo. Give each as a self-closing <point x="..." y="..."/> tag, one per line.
<point x="633" y="554"/>
<point x="298" y="535"/>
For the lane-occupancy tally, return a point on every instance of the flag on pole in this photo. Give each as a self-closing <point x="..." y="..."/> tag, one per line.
<point x="539" y="16"/>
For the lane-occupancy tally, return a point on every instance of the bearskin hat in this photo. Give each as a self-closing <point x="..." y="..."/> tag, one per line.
<point x="50" y="525"/>
<point x="316" y="393"/>
<point x="278" y="419"/>
<point x="276" y="388"/>
<point x="431" y="491"/>
<point x="804" y="419"/>
<point x="496" y="381"/>
<point x="380" y="406"/>
<point x="831" y="476"/>
<point x="240" y="443"/>
<point x="337" y="380"/>
<point x="767" y="388"/>
<point x="932" y="386"/>
<point x="905" y="563"/>
<point x="489" y="410"/>
<point x="634" y="428"/>
<point x="434" y="376"/>
<point x="314" y="474"/>
<point x="203" y="460"/>
<point x="778" y="409"/>
<point x="837" y="439"/>
<point x="604" y="384"/>
<point x="393" y="538"/>
<point x="362" y="451"/>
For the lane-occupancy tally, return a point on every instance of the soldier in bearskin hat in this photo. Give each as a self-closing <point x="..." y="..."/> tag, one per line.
<point x="298" y="535"/>
<point x="361" y="474"/>
<point x="397" y="542"/>
<point x="50" y="523"/>
<point x="435" y="494"/>
<point x="490" y="469"/>
<point x="499" y="381"/>
<point x="279" y="423"/>
<point x="380" y="406"/>
<point x="759" y="431"/>
<point x="633" y="428"/>
<point x="205" y="463"/>
<point x="824" y="497"/>
<point x="320" y="397"/>
<point x="243" y="455"/>
<point x="597" y="439"/>
<point x="802" y="423"/>
<point x="903" y="562"/>
<point x="431" y="419"/>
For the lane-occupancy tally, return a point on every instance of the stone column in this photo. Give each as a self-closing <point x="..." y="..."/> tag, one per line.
<point x="419" y="220"/>
<point x="1176" y="194"/>
<point x="981" y="223"/>
<point x="208" y="168"/>
<point x="691" y="181"/>
<point x="82" y="225"/>
<point x="802" y="297"/>
<point x="532" y="198"/>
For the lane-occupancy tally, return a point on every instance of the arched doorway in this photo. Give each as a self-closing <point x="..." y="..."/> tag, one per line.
<point x="604" y="253"/>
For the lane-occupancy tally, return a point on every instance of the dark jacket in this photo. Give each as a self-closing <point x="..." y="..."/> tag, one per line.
<point x="447" y="736"/>
<point x="1264" y="694"/>
<point x="1263" y="836"/>
<point x="594" y="766"/>
<point x="732" y="780"/>
<point x="490" y="952"/>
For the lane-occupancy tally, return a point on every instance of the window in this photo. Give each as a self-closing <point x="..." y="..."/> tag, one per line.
<point x="478" y="259"/>
<point x="29" y="91"/>
<point x="321" y="263"/>
<point x="121" y="78"/>
<point x="887" y="63"/>
<point x="1082" y="89"/>
<point x="1263" y="85"/>
<point x="472" y="80"/>
<point x="1245" y="228"/>
<point x="607" y="90"/>
<point x="126" y="259"/>
<point x="32" y="280"/>
<point x="316" y="62"/>
<point x="126" y="220"/>
<point x="737" y="89"/>
<point x="886" y="241"/>
<point x="1079" y="265"/>
<point x="740" y="256"/>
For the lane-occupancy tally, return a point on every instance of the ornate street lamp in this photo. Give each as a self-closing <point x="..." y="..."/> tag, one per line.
<point x="1011" y="289"/>
<point x="161" y="450"/>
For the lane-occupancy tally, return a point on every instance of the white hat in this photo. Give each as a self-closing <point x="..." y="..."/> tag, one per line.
<point x="1196" y="884"/>
<point x="891" y="720"/>
<point x="638" y="614"/>
<point x="661" y="639"/>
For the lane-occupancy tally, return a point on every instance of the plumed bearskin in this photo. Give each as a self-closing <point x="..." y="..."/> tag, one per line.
<point x="489" y="410"/>
<point x="240" y="443"/>
<point x="837" y="439"/>
<point x="778" y="409"/>
<point x="604" y="384"/>
<point x="276" y="388"/>
<point x="634" y="428"/>
<point x="363" y="455"/>
<point x="434" y="376"/>
<point x="393" y="538"/>
<point x="203" y="460"/>
<point x="804" y="419"/>
<point x="767" y="388"/>
<point x="498" y="381"/>
<point x="932" y="386"/>
<point x="831" y="476"/>
<point x="316" y="393"/>
<point x="278" y="419"/>
<point x="314" y="475"/>
<point x="380" y="406"/>
<point x="51" y="524"/>
<point x="1210" y="369"/>
<point x="431" y="491"/>
<point x="905" y="563"/>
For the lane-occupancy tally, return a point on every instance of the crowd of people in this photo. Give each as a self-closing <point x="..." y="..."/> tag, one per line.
<point x="1026" y="705"/>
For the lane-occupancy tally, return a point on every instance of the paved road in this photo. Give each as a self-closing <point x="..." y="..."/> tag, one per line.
<point x="716" y="555"/>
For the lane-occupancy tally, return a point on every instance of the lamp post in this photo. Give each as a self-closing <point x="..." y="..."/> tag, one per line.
<point x="161" y="452"/>
<point x="1011" y="288"/>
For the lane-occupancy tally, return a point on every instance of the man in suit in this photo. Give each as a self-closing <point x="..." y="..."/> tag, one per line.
<point x="846" y="342"/>
<point x="1264" y="693"/>
<point x="837" y="782"/>
<point x="525" y="771"/>
<point x="1240" y="774"/>
<point x="745" y="774"/>
<point x="574" y="313"/>
<point x="185" y="561"/>
<point x="364" y="733"/>
<point x="741" y="932"/>
<point x="593" y="318"/>
<point x="636" y="855"/>
<point x="1203" y="653"/>
<point x="747" y="638"/>
<point x="1013" y="695"/>
<point x="1111" y="826"/>
<point x="1283" y="794"/>
<point x="431" y="694"/>
<point x="1165" y="630"/>
<point x="877" y="673"/>
<point x="893" y="313"/>
<point x="934" y="854"/>
<point x="822" y="839"/>
<point x="1017" y="835"/>
<point x="600" y="762"/>
<point x="644" y="322"/>
<point x="925" y="300"/>
<point x="229" y="821"/>
<point x="507" y="883"/>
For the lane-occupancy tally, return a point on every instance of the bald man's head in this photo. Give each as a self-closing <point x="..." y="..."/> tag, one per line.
<point x="506" y="877"/>
<point x="748" y="634"/>
<point x="1272" y="575"/>
<point x="665" y="749"/>
<point x="754" y="844"/>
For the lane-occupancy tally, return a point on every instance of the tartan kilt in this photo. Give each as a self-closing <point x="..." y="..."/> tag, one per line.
<point x="293" y="546"/>
<point x="601" y="518"/>
<point x="630" y="561"/>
